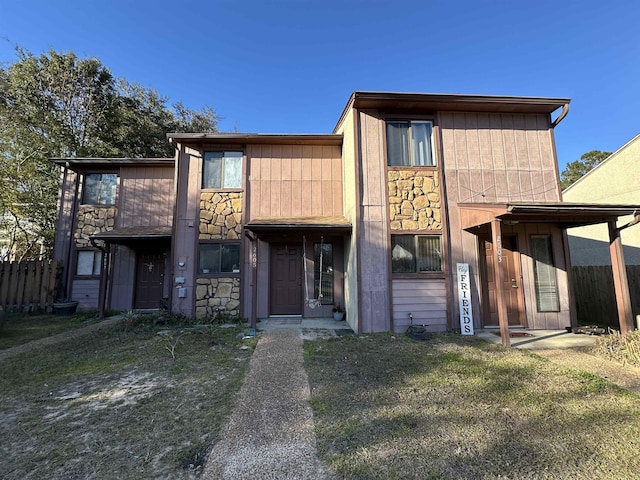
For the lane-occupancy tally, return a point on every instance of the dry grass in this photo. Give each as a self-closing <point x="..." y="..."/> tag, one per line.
<point x="621" y="348"/>
<point x="23" y="328"/>
<point x="115" y="404"/>
<point x="454" y="408"/>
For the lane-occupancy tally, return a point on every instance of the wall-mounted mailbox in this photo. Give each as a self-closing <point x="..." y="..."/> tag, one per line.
<point x="182" y="292"/>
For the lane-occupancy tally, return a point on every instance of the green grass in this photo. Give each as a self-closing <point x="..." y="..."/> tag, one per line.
<point x="387" y="407"/>
<point x="23" y="328"/>
<point x="115" y="404"/>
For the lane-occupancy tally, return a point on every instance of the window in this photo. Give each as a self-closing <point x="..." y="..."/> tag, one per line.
<point x="89" y="263"/>
<point x="323" y="253"/>
<point x="219" y="258"/>
<point x="409" y="144"/>
<point x="544" y="274"/>
<point x="100" y="189"/>
<point x="416" y="253"/>
<point x="222" y="170"/>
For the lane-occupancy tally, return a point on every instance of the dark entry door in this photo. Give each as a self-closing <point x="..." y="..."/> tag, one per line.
<point x="149" y="280"/>
<point x="511" y="285"/>
<point x="285" y="282"/>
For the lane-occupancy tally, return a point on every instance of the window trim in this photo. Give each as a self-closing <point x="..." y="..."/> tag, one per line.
<point x="536" y="285"/>
<point x="84" y="189"/>
<point x="409" y="120"/>
<point x="92" y="275"/>
<point x="417" y="274"/>
<point x="220" y="242"/>
<point x="222" y="188"/>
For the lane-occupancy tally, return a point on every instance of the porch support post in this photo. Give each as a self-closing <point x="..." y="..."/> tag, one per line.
<point x="254" y="280"/>
<point x="620" y="282"/>
<point x="104" y="276"/>
<point x="496" y="235"/>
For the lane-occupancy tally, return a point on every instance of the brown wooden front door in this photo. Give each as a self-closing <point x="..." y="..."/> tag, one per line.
<point x="511" y="286"/>
<point x="149" y="280"/>
<point x="285" y="280"/>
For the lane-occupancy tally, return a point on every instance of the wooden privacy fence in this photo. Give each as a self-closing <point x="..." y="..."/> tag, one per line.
<point x="595" y="295"/>
<point x="28" y="286"/>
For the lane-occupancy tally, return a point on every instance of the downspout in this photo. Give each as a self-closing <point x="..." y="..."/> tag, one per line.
<point x="563" y="113"/>
<point x="173" y="225"/>
<point x="74" y="212"/>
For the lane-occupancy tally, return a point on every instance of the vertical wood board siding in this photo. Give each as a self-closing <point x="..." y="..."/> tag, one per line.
<point x="86" y="293"/>
<point x="294" y="180"/>
<point x="146" y="195"/>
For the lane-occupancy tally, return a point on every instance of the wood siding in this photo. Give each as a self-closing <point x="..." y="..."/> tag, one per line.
<point x="425" y="299"/>
<point x="491" y="157"/>
<point x="146" y="197"/>
<point x="373" y="236"/>
<point x="86" y="293"/>
<point x="294" y="180"/>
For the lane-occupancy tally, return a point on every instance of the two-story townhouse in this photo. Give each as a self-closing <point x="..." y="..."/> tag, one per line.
<point x="376" y="216"/>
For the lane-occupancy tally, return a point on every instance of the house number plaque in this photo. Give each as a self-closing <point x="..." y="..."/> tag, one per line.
<point x="464" y="299"/>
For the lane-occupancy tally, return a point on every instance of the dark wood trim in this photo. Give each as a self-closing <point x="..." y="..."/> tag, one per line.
<point x="573" y="315"/>
<point x="444" y="223"/>
<point x="357" y="124"/>
<point x="243" y="242"/>
<point x="387" y="247"/>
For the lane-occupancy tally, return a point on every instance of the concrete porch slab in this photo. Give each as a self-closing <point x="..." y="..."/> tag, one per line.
<point x="540" y="339"/>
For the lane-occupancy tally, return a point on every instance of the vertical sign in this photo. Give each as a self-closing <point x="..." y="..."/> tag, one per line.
<point x="464" y="298"/>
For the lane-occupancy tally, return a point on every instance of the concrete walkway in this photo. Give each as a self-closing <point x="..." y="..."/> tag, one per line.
<point x="270" y="433"/>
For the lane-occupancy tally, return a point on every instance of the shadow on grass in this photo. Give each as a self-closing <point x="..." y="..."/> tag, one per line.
<point x="387" y="407"/>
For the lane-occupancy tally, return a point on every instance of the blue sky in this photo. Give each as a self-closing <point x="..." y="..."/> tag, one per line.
<point x="289" y="66"/>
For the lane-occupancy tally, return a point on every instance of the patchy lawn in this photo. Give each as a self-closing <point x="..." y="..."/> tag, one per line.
<point x="23" y="328"/>
<point x="115" y="404"/>
<point x="387" y="407"/>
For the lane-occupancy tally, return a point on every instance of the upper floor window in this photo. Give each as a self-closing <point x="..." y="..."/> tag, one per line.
<point x="222" y="170"/>
<point x="410" y="144"/>
<point x="100" y="189"/>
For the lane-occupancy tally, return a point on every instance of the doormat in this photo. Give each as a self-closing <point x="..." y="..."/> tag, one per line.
<point x="516" y="334"/>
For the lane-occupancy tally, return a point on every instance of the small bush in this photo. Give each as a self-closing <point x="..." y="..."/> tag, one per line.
<point x="618" y="347"/>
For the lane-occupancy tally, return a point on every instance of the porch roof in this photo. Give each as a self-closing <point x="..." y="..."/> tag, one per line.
<point x="270" y="224"/>
<point x="566" y="215"/>
<point x="128" y="235"/>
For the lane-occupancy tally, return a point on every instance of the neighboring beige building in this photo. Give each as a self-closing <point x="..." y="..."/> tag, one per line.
<point x="615" y="181"/>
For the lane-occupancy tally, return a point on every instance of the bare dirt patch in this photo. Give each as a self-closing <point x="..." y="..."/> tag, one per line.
<point x="115" y="404"/>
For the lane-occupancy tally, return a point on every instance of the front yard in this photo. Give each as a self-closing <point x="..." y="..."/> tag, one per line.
<point x="387" y="407"/>
<point x="115" y="404"/>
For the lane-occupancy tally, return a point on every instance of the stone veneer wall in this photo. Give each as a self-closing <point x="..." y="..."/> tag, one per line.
<point x="91" y="220"/>
<point x="220" y="219"/>
<point x="217" y="294"/>
<point x="220" y="216"/>
<point x="414" y="200"/>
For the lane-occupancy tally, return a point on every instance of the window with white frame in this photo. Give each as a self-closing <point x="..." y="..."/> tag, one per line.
<point x="222" y="170"/>
<point x="410" y="143"/>
<point x="89" y="263"/>
<point x="100" y="189"/>
<point x="416" y="253"/>
<point x="219" y="258"/>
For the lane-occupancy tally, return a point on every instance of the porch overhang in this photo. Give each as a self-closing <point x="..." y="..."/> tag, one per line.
<point x="334" y="224"/>
<point x="135" y="235"/>
<point x="567" y="215"/>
